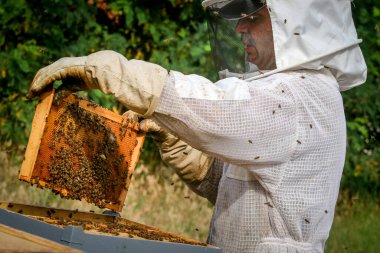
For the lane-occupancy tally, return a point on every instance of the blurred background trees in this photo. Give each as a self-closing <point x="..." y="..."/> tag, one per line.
<point x="172" y="33"/>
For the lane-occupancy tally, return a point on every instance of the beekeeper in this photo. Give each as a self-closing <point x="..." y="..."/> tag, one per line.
<point x="266" y="143"/>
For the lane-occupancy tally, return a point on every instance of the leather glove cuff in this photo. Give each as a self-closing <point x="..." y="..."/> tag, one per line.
<point x="136" y="84"/>
<point x="190" y="164"/>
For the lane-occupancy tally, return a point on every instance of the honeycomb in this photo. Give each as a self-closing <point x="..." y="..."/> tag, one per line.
<point x="85" y="152"/>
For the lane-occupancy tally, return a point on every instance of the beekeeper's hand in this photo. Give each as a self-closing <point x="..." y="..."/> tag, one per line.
<point x="190" y="164"/>
<point x="136" y="84"/>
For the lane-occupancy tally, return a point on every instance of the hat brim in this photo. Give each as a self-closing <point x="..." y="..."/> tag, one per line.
<point x="239" y="9"/>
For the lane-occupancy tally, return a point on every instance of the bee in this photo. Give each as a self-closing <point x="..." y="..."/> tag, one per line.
<point x="52" y="145"/>
<point x="268" y="204"/>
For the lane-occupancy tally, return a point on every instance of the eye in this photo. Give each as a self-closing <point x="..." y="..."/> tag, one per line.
<point x="253" y="19"/>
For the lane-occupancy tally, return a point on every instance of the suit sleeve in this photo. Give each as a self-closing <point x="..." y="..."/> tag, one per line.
<point x="239" y="122"/>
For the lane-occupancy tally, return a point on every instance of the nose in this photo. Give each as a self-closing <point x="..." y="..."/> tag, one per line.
<point x="241" y="26"/>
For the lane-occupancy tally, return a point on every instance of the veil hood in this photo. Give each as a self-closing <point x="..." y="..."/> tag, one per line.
<point x="314" y="34"/>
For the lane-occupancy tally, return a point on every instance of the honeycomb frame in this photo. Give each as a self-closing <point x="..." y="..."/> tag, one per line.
<point x="46" y="163"/>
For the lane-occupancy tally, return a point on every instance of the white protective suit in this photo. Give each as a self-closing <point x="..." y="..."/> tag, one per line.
<point x="279" y="138"/>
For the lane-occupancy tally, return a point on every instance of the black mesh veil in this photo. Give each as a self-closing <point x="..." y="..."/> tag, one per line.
<point x="226" y="46"/>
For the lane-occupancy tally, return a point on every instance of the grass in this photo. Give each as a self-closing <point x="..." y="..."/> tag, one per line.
<point x="356" y="228"/>
<point x="166" y="203"/>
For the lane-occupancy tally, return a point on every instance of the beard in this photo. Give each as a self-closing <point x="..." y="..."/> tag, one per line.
<point x="247" y="40"/>
<point x="250" y="46"/>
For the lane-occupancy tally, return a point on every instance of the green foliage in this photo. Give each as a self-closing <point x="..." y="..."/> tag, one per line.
<point x="32" y="35"/>
<point x="362" y="169"/>
<point x="173" y="34"/>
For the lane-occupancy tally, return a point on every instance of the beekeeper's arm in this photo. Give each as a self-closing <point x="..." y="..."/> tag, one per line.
<point x="239" y="122"/>
<point x="136" y="84"/>
<point x="232" y="120"/>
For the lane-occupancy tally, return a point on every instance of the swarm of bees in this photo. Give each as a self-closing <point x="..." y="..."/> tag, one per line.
<point x="83" y="157"/>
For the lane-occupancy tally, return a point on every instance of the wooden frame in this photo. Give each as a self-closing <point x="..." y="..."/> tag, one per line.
<point x="14" y="240"/>
<point x="39" y="127"/>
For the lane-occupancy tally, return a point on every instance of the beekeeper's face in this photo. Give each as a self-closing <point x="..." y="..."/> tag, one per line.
<point x="257" y="37"/>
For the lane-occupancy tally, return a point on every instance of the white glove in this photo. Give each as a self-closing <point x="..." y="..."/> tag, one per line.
<point x="136" y="84"/>
<point x="190" y="164"/>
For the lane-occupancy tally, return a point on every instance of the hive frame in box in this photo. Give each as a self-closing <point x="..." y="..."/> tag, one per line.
<point x="37" y="132"/>
<point x="23" y="217"/>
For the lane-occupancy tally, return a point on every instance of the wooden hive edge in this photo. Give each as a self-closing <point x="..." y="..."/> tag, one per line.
<point x="36" y="243"/>
<point x="37" y="131"/>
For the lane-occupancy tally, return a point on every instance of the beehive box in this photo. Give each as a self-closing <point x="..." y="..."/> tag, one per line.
<point x="81" y="150"/>
<point x="92" y="232"/>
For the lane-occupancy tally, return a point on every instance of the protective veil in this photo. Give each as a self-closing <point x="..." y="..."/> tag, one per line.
<point x="278" y="138"/>
<point x="308" y="34"/>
